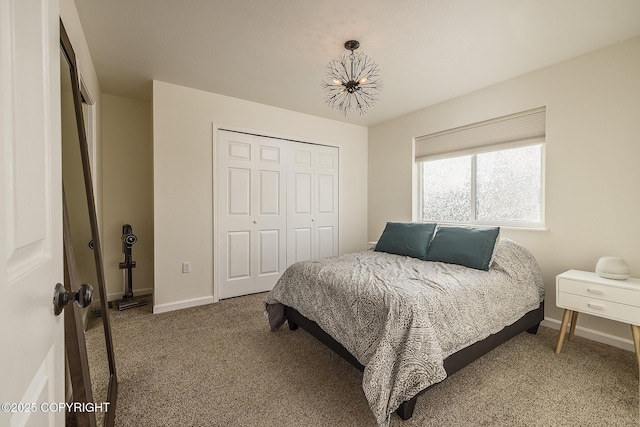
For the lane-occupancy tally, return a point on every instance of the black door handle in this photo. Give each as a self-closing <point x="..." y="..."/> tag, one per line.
<point x="62" y="297"/>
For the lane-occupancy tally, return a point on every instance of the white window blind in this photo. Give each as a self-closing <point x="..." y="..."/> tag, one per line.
<point x="523" y="127"/>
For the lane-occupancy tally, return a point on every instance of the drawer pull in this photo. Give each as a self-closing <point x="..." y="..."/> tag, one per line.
<point x="595" y="306"/>
<point x="596" y="291"/>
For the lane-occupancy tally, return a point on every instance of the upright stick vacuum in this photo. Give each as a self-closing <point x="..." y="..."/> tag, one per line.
<point x="128" y="240"/>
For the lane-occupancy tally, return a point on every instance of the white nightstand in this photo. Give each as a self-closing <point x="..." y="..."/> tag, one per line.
<point x="586" y="292"/>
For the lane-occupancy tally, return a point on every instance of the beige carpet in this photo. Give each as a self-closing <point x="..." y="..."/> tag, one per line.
<point x="219" y="365"/>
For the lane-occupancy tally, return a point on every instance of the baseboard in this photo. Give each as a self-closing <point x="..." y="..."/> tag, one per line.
<point x="593" y="335"/>
<point x="179" y="305"/>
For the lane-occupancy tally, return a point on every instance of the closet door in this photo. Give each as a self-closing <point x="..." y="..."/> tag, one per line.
<point x="270" y="216"/>
<point x="251" y="213"/>
<point x="325" y="217"/>
<point x="300" y="234"/>
<point x="312" y="202"/>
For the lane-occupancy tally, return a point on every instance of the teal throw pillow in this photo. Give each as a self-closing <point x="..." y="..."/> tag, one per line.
<point x="409" y="239"/>
<point x="468" y="246"/>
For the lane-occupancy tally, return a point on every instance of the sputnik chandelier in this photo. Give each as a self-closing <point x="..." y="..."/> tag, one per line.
<point x="352" y="82"/>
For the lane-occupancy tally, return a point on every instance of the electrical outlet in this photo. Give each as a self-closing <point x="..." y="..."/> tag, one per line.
<point x="186" y="267"/>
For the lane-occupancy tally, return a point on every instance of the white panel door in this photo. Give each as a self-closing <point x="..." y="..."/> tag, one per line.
<point x="31" y="213"/>
<point x="270" y="215"/>
<point x="251" y="213"/>
<point x="312" y="202"/>
<point x="239" y="230"/>
<point x="300" y="177"/>
<point x="235" y="214"/>
<point x="326" y="213"/>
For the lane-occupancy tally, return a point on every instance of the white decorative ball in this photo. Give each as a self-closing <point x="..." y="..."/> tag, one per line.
<point x="611" y="267"/>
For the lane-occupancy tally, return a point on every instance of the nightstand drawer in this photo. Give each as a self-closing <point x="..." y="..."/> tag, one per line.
<point x="599" y="291"/>
<point x="611" y="310"/>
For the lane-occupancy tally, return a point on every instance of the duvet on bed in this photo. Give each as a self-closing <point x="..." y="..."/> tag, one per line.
<point x="401" y="316"/>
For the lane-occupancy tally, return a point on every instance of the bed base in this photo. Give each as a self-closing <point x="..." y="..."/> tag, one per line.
<point x="529" y="322"/>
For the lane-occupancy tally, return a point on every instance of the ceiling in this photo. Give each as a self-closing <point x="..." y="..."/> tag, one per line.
<point x="275" y="52"/>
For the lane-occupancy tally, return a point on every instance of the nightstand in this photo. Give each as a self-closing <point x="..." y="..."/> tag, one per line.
<point x="586" y="292"/>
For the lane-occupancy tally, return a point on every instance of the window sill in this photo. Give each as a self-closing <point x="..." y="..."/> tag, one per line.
<point x="528" y="227"/>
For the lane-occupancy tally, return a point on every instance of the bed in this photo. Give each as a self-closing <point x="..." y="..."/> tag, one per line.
<point x="407" y="323"/>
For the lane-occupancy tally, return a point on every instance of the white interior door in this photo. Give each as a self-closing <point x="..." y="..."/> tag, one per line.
<point x="270" y="216"/>
<point x="251" y="213"/>
<point x="235" y="214"/>
<point x="300" y="204"/>
<point x="326" y="213"/>
<point x="31" y="214"/>
<point x="312" y="206"/>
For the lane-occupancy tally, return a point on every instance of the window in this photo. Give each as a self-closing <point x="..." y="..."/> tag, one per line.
<point x="501" y="187"/>
<point x="485" y="173"/>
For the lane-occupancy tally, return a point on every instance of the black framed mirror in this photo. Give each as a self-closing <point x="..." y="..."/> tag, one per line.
<point x="90" y="354"/>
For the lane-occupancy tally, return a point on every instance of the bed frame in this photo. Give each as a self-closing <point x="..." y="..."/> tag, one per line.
<point x="529" y="322"/>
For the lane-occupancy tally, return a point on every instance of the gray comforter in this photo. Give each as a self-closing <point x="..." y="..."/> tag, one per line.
<point x="401" y="317"/>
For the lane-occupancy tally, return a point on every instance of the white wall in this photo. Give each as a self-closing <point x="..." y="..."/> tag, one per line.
<point x="183" y="121"/>
<point x="127" y="159"/>
<point x="592" y="162"/>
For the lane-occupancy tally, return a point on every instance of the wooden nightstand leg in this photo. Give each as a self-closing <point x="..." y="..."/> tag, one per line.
<point x="635" y="331"/>
<point x="574" y="321"/>
<point x="563" y="330"/>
